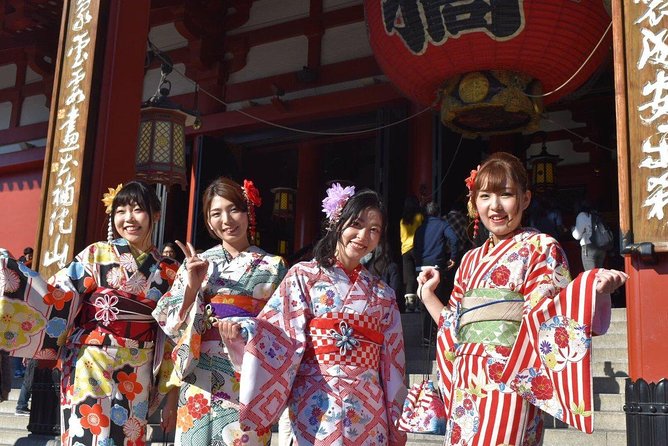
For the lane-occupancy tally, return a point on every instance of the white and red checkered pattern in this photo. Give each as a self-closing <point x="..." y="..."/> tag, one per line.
<point x="365" y="329"/>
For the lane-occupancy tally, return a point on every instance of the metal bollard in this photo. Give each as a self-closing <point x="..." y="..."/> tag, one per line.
<point x="646" y="407"/>
<point x="44" y="409"/>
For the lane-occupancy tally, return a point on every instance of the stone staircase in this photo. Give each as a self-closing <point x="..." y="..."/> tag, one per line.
<point x="609" y="368"/>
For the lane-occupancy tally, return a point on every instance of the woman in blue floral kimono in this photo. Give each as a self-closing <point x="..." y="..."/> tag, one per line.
<point x="232" y="279"/>
<point x="94" y="316"/>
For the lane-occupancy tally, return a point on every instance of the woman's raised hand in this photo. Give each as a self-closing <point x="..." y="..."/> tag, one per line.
<point x="609" y="280"/>
<point x="429" y="278"/>
<point x="195" y="266"/>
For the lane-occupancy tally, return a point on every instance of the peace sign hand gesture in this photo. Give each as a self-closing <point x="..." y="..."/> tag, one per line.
<point x="196" y="267"/>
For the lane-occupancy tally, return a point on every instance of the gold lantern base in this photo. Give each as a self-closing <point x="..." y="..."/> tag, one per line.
<point x="491" y="103"/>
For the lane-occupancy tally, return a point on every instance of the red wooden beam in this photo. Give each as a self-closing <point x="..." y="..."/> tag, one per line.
<point x="24" y="133"/>
<point x="20" y="161"/>
<point x="294" y="28"/>
<point x="302" y="110"/>
<point x="328" y="74"/>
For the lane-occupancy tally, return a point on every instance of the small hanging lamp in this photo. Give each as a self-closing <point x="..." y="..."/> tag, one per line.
<point x="161" y="147"/>
<point x="283" y="202"/>
<point x="544" y="168"/>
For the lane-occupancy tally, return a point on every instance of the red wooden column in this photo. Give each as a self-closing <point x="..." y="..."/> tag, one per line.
<point x="641" y="132"/>
<point x="420" y="154"/>
<point x="119" y="105"/>
<point x="307" y="211"/>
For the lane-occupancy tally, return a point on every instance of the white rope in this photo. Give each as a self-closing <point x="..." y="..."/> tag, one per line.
<point x="577" y="71"/>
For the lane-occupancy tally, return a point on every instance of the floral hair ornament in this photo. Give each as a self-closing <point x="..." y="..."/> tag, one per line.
<point x="108" y="201"/>
<point x="472" y="211"/>
<point x="334" y="202"/>
<point x="253" y="200"/>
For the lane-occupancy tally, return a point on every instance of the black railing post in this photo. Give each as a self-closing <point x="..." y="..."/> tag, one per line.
<point x="646" y="410"/>
<point x="45" y="402"/>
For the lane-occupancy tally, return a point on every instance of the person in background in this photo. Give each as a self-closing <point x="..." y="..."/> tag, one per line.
<point x="411" y="219"/>
<point x="592" y="256"/>
<point x="435" y="244"/>
<point x="515" y="339"/>
<point x="169" y="250"/>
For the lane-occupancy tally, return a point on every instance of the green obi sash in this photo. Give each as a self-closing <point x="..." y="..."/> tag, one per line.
<point x="490" y="316"/>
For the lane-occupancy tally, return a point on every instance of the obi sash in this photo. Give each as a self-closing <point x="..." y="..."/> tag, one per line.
<point x="222" y="306"/>
<point x="490" y="316"/>
<point x="113" y="312"/>
<point x="345" y="339"/>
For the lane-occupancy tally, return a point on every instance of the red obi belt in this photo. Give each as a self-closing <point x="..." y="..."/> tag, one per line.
<point x="229" y="305"/>
<point x="112" y="312"/>
<point x="347" y="339"/>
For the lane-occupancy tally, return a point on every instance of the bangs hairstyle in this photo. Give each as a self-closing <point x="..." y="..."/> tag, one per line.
<point x="325" y="248"/>
<point x="140" y="194"/>
<point x="229" y="190"/>
<point x="497" y="170"/>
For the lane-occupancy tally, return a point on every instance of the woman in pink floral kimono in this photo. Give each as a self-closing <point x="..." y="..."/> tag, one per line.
<point x="329" y="342"/>
<point x="515" y="339"/>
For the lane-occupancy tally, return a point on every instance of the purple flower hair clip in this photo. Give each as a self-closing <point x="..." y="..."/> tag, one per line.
<point x="336" y="199"/>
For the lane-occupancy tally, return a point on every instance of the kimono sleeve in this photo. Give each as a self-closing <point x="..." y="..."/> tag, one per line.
<point x="273" y="353"/>
<point x="39" y="313"/>
<point x="550" y="363"/>
<point x="392" y="369"/>
<point x="547" y="272"/>
<point x="186" y="333"/>
<point x="446" y="341"/>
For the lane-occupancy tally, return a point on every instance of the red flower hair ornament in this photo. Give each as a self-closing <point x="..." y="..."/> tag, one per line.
<point x="253" y="200"/>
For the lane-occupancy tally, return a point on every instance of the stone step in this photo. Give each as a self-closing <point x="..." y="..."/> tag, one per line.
<point x="613" y="354"/>
<point x="610" y="340"/>
<point x="618" y="314"/>
<point x="603" y="421"/>
<point x="608" y="402"/>
<point x="573" y="437"/>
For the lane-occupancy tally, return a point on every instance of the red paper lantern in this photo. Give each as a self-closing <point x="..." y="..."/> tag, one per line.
<point x="426" y="45"/>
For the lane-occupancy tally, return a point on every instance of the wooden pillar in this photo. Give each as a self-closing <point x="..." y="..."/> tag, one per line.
<point x="119" y="106"/>
<point x="420" y="155"/>
<point x="642" y="131"/>
<point x="307" y="209"/>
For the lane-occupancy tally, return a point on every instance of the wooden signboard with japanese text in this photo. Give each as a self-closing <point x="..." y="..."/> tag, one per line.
<point x="641" y="76"/>
<point x="68" y="127"/>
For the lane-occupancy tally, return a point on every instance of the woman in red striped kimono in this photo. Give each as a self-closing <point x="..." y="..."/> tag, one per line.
<point x="329" y="342"/>
<point x="515" y="339"/>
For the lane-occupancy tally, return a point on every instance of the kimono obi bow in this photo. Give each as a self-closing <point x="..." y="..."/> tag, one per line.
<point x="346" y="339"/>
<point x="118" y="313"/>
<point x="229" y="305"/>
<point x="490" y="316"/>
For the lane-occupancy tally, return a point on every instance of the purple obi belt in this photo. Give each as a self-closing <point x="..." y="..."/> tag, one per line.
<point x="222" y="306"/>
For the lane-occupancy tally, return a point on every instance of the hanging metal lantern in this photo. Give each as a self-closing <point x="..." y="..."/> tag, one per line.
<point x="283" y="202"/>
<point x="161" y="146"/>
<point x="282" y="247"/>
<point x="544" y="170"/>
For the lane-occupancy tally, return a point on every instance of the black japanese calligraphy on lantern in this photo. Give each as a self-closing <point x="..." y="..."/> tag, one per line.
<point x="419" y="22"/>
